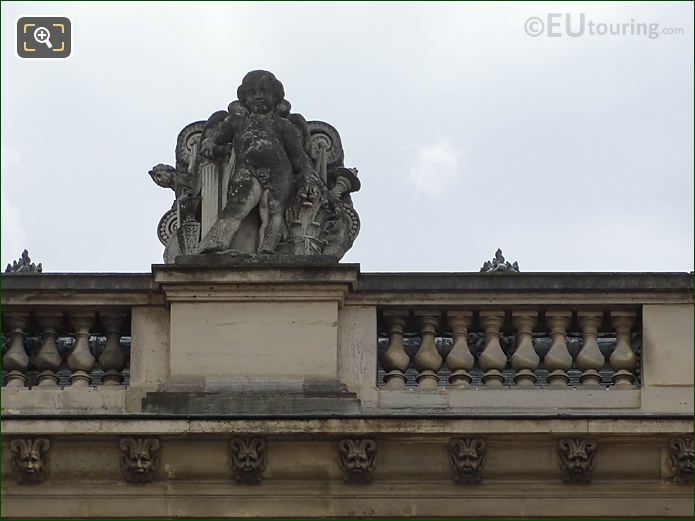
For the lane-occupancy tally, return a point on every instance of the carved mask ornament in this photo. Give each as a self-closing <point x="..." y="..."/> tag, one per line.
<point x="30" y="459"/>
<point x="576" y="459"/>
<point x="247" y="459"/>
<point x="139" y="459"/>
<point x="680" y="454"/>
<point x="357" y="459"/>
<point x="466" y="458"/>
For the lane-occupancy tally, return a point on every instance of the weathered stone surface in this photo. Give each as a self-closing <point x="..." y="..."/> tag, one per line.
<point x="258" y="179"/>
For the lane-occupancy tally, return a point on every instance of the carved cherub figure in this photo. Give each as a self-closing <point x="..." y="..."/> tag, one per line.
<point x="247" y="459"/>
<point x="466" y="459"/>
<point x="139" y="459"/>
<point x="270" y="160"/>
<point x="30" y="459"/>
<point x="357" y="458"/>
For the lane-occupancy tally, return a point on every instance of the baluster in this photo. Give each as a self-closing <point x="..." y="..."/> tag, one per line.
<point x="112" y="359"/>
<point x="80" y="360"/>
<point x="558" y="359"/>
<point x="395" y="360"/>
<point x="16" y="360"/>
<point x="590" y="359"/>
<point x="460" y="359"/>
<point x="525" y="360"/>
<point x="427" y="359"/>
<point x="623" y="360"/>
<point x="492" y="359"/>
<point x="48" y="358"/>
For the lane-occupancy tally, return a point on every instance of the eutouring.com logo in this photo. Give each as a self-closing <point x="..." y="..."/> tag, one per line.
<point x="573" y="25"/>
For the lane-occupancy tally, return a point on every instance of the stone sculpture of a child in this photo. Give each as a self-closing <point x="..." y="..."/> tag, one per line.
<point x="270" y="160"/>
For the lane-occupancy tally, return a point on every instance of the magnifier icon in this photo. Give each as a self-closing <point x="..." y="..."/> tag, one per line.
<point x="43" y="35"/>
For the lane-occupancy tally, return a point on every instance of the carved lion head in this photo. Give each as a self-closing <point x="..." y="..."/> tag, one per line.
<point x="357" y="458"/>
<point x="139" y="459"/>
<point x="30" y="459"/>
<point x="466" y="458"/>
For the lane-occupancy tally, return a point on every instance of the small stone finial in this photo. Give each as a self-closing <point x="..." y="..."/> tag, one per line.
<point x="24" y="265"/>
<point x="499" y="264"/>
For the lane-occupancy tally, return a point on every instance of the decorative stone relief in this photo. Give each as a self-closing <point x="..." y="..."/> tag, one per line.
<point x="680" y="456"/>
<point x="247" y="459"/>
<point x="577" y="459"/>
<point x="257" y="179"/>
<point x="357" y="459"/>
<point x="467" y="458"/>
<point x="24" y="265"/>
<point x="139" y="459"/>
<point x="30" y="459"/>
<point x="499" y="264"/>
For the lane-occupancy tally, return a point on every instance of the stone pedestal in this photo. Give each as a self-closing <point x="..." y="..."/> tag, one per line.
<point x="268" y="327"/>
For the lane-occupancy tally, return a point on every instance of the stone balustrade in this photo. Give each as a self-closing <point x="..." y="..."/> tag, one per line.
<point x="433" y="348"/>
<point x="65" y="347"/>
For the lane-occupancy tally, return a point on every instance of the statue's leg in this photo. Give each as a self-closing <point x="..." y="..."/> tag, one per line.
<point x="244" y="195"/>
<point x="263" y="212"/>
<point x="278" y="199"/>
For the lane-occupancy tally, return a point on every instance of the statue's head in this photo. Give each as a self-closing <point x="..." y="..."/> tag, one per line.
<point x="260" y="92"/>
<point x="29" y="458"/>
<point x="139" y="459"/>
<point x="466" y="458"/>
<point x="163" y="175"/>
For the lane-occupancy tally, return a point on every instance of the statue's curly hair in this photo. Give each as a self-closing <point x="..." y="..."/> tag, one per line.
<point x="261" y="76"/>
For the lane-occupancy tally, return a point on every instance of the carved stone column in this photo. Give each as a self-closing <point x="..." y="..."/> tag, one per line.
<point x="623" y="360"/>
<point x="48" y="358"/>
<point x="395" y="360"/>
<point x="112" y="359"/>
<point x="210" y="191"/>
<point x="492" y="359"/>
<point x="460" y="359"/>
<point x="558" y="359"/>
<point x="427" y="359"/>
<point x="525" y="360"/>
<point x="590" y="359"/>
<point x="80" y="359"/>
<point x="16" y="360"/>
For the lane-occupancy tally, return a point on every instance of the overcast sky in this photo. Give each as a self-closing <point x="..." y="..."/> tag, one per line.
<point x="571" y="153"/>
